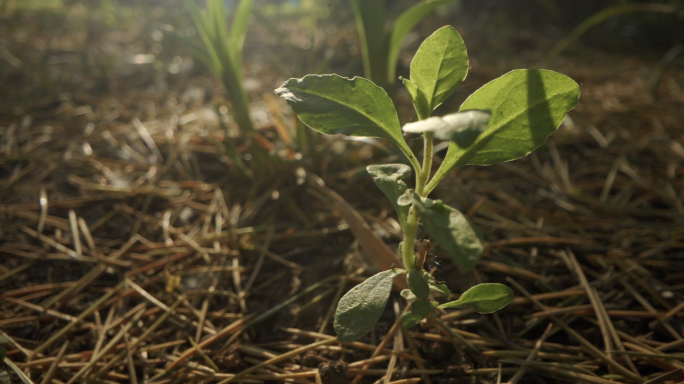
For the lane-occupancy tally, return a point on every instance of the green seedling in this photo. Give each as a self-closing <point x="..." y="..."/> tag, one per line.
<point x="507" y="118"/>
<point x="221" y="51"/>
<point x="381" y="46"/>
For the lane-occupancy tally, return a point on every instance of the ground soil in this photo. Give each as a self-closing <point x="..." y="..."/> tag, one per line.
<point x="588" y="230"/>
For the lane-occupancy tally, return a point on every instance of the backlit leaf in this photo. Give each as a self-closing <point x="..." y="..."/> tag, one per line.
<point x="484" y="298"/>
<point x="402" y="26"/>
<point x="355" y="107"/>
<point x="527" y="106"/>
<point x="418" y="99"/>
<point x="440" y="65"/>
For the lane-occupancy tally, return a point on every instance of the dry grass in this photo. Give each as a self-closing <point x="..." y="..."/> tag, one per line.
<point x="135" y="250"/>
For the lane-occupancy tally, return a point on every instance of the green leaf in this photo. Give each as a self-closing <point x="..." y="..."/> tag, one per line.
<point x="417" y="283"/>
<point x="408" y="295"/>
<point x="451" y="230"/>
<point x="3" y="353"/>
<point x="355" y="107"/>
<point x="484" y="298"/>
<point x="361" y="307"/>
<point x="527" y="106"/>
<point x="435" y="286"/>
<point x="440" y="65"/>
<point x="420" y="309"/>
<point x="402" y="27"/>
<point x="388" y="178"/>
<point x="463" y="128"/>
<point x="417" y="98"/>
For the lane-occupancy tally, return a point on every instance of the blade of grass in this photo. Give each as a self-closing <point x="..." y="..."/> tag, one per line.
<point x="600" y="17"/>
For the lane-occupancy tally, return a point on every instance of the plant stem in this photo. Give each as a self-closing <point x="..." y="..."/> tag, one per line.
<point x="422" y="177"/>
<point x="413" y="160"/>
<point x="238" y="100"/>
<point x="408" y="256"/>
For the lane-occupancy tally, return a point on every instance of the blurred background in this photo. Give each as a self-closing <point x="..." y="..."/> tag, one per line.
<point x="52" y="46"/>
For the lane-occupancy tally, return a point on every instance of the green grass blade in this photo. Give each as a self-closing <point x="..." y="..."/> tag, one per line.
<point x="204" y="31"/>
<point x="196" y="50"/>
<point x="239" y="29"/>
<point x="217" y="16"/>
<point x="600" y="17"/>
<point x="370" y="19"/>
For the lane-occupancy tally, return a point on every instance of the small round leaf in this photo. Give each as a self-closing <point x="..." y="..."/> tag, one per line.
<point x="417" y="283"/>
<point x="420" y="309"/>
<point x="484" y="298"/>
<point x="361" y="307"/>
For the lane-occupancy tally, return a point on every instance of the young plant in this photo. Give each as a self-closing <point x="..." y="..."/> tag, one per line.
<point x="222" y="51"/>
<point x="507" y="118"/>
<point x="380" y="47"/>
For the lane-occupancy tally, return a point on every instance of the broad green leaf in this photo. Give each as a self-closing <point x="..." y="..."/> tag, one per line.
<point x="440" y="65"/>
<point x="3" y="353"/>
<point x="417" y="283"/>
<point x="361" y="307"/>
<point x="451" y="230"/>
<point x="417" y="98"/>
<point x="435" y="286"/>
<point x="484" y="298"/>
<point x="420" y="309"/>
<point x="355" y="107"/>
<point x="527" y="106"/>
<point x="402" y="27"/>
<point x="463" y="128"/>
<point x="388" y="178"/>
